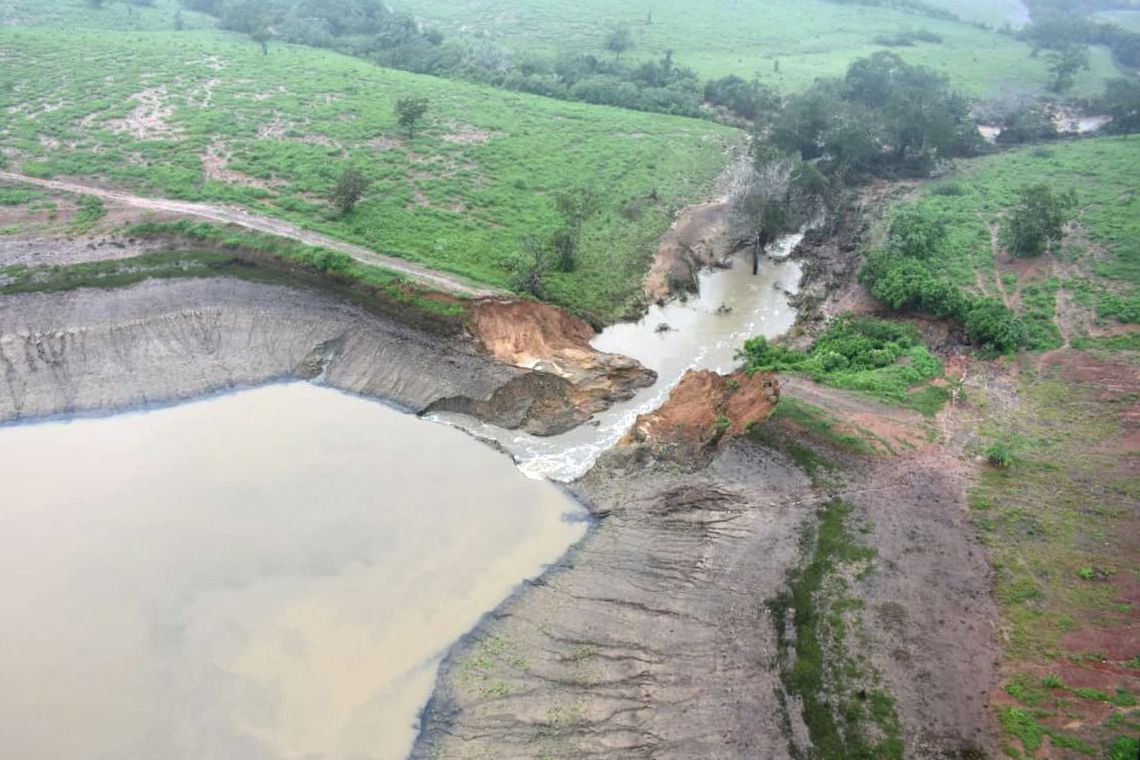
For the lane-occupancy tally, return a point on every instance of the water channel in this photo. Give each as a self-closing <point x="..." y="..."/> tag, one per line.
<point x="702" y="332"/>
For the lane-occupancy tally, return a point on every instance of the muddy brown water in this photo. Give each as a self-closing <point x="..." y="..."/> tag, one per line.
<point x="270" y="574"/>
<point x="702" y="332"/>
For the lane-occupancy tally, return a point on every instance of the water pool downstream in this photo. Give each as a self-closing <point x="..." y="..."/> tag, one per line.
<point x="704" y="332"/>
<point x="267" y="575"/>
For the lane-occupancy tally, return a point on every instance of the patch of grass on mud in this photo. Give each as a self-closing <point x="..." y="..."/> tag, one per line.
<point x="821" y="426"/>
<point x="884" y="359"/>
<point x="334" y="267"/>
<point x="1060" y="526"/>
<point x="1097" y="268"/>
<point x="846" y="715"/>
<point x="114" y="274"/>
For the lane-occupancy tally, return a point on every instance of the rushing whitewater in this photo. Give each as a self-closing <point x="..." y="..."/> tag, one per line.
<point x="702" y="332"/>
<point x="268" y="575"/>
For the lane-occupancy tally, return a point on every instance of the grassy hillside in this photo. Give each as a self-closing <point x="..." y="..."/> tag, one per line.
<point x="1091" y="285"/>
<point x="1129" y="20"/>
<point x="809" y="38"/>
<point x="1056" y="501"/>
<point x="205" y="116"/>
<point x="115" y="14"/>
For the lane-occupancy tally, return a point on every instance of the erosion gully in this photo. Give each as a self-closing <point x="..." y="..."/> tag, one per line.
<point x="701" y="332"/>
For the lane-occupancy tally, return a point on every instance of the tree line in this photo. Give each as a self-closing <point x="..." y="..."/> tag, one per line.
<point x="368" y="29"/>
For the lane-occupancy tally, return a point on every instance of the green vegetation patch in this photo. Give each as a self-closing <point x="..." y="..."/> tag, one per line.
<point x="845" y="715"/>
<point x="1099" y="260"/>
<point x="1056" y="544"/>
<point x="884" y="359"/>
<point x="115" y="273"/>
<point x="204" y="116"/>
<point x="213" y="251"/>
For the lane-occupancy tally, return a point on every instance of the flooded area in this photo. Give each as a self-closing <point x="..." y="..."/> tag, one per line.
<point x="267" y="575"/>
<point x="702" y="332"/>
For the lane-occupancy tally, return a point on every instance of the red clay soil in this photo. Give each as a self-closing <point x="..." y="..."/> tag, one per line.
<point x="1113" y="381"/>
<point x="524" y="333"/>
<point x="704" y="411"/>
<point x="543" y="337"/>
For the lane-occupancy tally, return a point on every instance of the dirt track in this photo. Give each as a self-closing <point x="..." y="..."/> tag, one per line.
<point x="448" y="283"/>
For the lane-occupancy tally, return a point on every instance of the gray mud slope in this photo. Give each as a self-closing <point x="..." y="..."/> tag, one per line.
<point x="92" y="350"/>
<point x="652" y="640"/>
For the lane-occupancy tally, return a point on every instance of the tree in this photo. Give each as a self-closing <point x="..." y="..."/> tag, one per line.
<point x="409" y="111"/>
<point x="349" y="189"/>
<point x="262" y="35"/>
<point x="1038" y="220"/>
<point x="618" y="41"/>
<point x="575" y="207"/>
<point x="1063" y="65"/>
<point x="1122" y="99"/>
<point x="530" y="266"/>
<point x="780" y="195"/>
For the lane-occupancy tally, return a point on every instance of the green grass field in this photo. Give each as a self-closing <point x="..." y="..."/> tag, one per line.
<point x="205" y="116"/>
<point x="809" y="38"/>
<point x="1095" y="275"/>
<point x="1129" y="20"/>
<point x="115" y="14"/>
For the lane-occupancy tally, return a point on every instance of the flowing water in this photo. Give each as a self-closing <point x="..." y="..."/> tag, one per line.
<point x="264" y="575"/>
<point x="704" y="332"/>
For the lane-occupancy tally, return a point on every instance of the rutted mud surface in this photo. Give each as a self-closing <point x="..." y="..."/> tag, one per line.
<point x="653" y="640"/>
<point x="164" y="340"/>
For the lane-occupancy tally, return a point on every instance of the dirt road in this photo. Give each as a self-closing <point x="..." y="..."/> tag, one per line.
<point x="448" y="283"/>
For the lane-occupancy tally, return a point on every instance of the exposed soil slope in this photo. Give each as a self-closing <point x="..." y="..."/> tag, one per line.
<point x="163" y="340"/>
<point x="545" y="338"/>
<point x="705" y="410"/>
<point x="655" y="638"/>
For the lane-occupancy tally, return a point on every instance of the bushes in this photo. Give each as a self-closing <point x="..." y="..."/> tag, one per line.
<point x="911" y="285"/>
<point x="886" y="359"/>
<point x="903" y="275"/>
<point x="992" y="325"/>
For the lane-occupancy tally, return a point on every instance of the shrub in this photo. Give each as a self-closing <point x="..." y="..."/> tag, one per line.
<point x="1000" y="454"/>
<point x="1038" y="220"/>
<point x="990" y="324"/>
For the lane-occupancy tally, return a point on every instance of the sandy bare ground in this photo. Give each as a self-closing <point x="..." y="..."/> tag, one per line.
<point x="448" y="283"/>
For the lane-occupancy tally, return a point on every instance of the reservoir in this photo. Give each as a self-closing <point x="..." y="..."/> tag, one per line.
<point x="273" y="574"/>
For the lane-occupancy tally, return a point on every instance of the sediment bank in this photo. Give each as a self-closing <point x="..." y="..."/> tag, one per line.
<point x="92" y="350"/>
